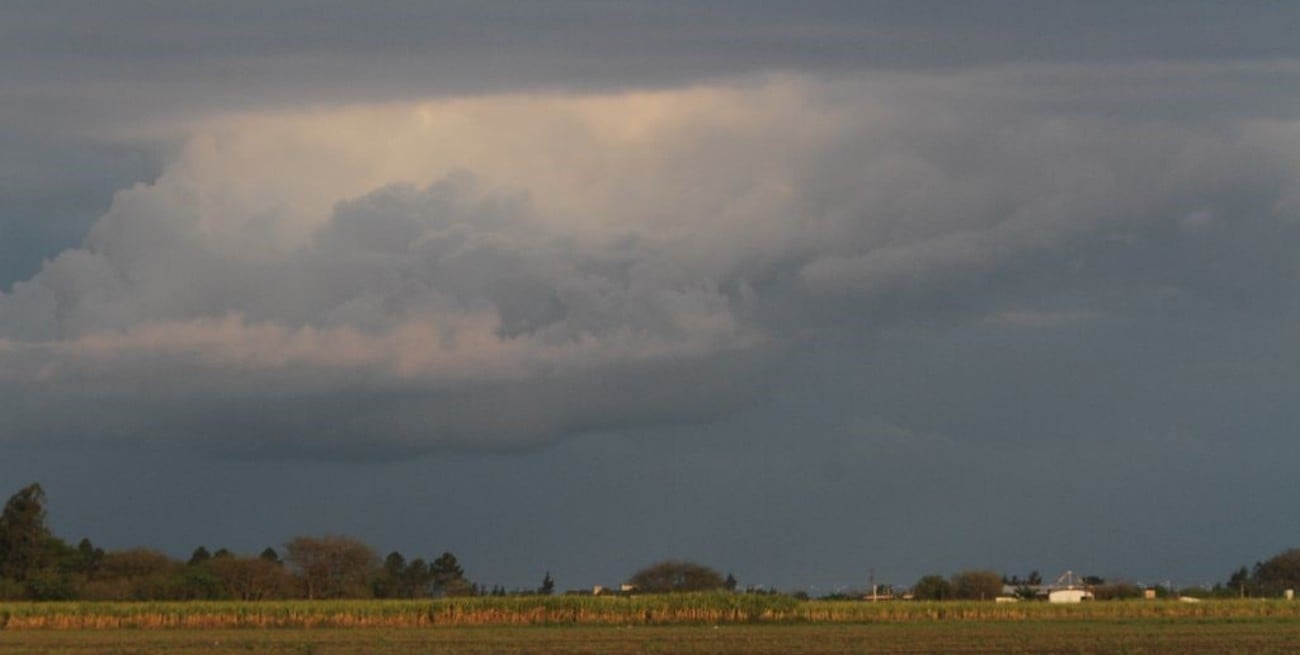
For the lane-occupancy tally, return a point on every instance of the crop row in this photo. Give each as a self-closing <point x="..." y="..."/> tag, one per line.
<point x="715" y="608"/>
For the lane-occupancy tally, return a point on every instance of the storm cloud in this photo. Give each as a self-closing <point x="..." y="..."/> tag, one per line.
<point x="502" y="271"/>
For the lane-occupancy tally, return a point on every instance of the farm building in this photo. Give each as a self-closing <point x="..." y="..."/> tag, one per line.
<point x="1069" y="595"/>
<point x="1066" y="591"/>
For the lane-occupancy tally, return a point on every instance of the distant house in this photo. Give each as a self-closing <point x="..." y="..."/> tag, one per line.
<point x="1069" y="595"/>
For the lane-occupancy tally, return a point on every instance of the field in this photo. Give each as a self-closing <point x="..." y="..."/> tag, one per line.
<point x="691" y="625"/>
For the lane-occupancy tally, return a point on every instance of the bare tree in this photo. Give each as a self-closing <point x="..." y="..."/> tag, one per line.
<point x="333" y="566"/>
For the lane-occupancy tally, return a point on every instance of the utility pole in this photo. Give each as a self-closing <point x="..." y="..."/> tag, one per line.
<point x="872" y="580"/>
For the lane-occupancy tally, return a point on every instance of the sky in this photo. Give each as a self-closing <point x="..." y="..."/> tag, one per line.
<point x="800" y="291"/>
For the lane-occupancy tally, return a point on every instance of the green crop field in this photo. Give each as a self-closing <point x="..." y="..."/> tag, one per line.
<point x="648" y="624"/>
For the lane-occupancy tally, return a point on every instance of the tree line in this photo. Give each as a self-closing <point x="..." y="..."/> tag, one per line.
<point x="37" y="565"/>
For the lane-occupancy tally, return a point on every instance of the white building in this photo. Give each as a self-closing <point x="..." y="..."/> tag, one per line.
<point x="1069" y="595"/>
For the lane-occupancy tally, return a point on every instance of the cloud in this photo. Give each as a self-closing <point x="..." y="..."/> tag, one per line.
<point x="1032" y="318"/>
<point x="502" y="271"/>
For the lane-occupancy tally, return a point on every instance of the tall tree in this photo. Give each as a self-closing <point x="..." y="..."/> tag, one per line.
<point x="388" y="584"/>
<point x="416" y="579"/>
<point x="449" y="577"/>
<point x="26" y="543"/>
<point x="548" y="585"/>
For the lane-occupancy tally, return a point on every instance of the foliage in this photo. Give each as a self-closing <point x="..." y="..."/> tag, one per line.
<point x="449" y="578"/>
<point x="932" y="587"/>
<point x="1277" y="573"/>
<point x="671" y="576"/>
<point x="976" y="585"/>
<point x="401" y="579"/>
<point x="27" y="548"/>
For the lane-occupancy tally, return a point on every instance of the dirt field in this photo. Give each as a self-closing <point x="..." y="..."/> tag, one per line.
<point x="1130" y="637"/>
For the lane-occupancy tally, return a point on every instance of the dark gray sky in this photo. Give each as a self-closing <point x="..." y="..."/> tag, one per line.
<point x="794" y="289"/>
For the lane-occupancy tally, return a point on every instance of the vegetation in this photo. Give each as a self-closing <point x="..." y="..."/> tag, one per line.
<point x="932" y="587"/>
<point x="976" y="585"/>
<point x="675" y="576"/>
<point x="711" y="608"/>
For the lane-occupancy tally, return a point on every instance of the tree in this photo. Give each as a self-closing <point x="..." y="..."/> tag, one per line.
<point x="398" y="578"/>
<point x="89" y="559"/>
<point x="390" y="575"/>
<point x="333" y="566"/>
<point x="675" y="576"/>
<point x="199" y="556"/>
<point x="448" y="577"/>
<point x="1240" y="583"/>
<point x="548" y="585"/>
<point x="933" y="587"/>
<point x="1279" y="572"/>
<point x="26" y="544"/>
<point x="977" y="585"/>
<point x="416" y="579"/>
<point x="138" y="574"/>
<point x="252" y="578"/>
<point x="270" y="555"/>
<point x="730" y="583"/>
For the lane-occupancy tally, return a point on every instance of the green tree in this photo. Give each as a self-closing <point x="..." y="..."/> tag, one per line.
<point x="933" y="587"/>
<point x="1279" y="572"/>
<point x="139" y="574"/>
<point x="448" y="577"/>
<point x="199" y="556"/>
<point x="89" y="559"/>
<point x="548" y="585"/>
<point x="977" y="585"/>
<point x="675" y="575"/>
<point x="388" y="584"/>
<point x="1240" y="583"/>
<point x="417" y="577"/>
<point x="26" y="544"/>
